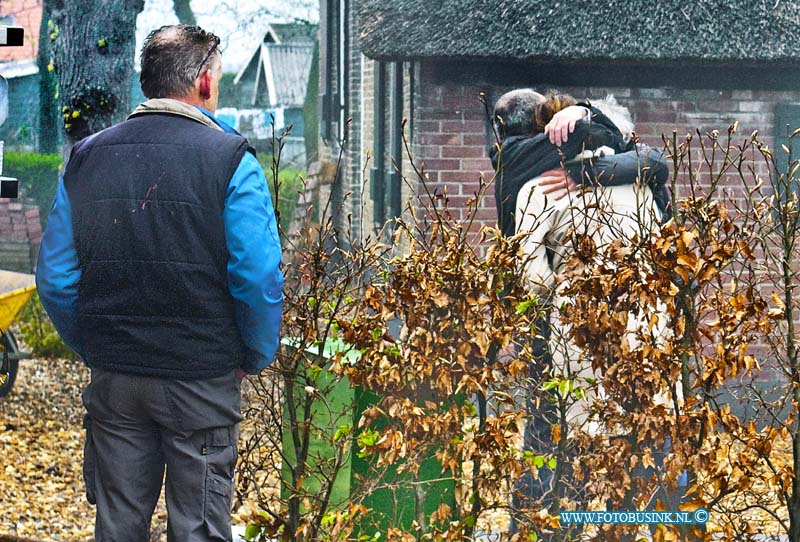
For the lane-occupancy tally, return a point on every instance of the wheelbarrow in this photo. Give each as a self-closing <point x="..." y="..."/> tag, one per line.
<point x="15" y="290"/>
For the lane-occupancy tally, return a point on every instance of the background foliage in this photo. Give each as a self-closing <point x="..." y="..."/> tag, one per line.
<point x="38" y="175"/>
<point x="39" y="334"/>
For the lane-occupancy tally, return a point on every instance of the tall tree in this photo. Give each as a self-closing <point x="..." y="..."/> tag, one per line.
<point x="94" y="51"/>
<point x="183" y="10"/>
<point x="48" y="86"/>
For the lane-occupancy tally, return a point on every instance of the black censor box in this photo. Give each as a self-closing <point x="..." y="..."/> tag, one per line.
<point x="11" y="36"/>
<point x="9" y="187"/>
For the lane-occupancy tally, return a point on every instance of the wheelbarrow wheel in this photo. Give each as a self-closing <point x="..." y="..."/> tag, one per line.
<point x="8" y="377"/>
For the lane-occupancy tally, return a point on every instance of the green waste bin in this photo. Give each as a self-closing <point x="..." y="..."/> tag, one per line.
<point x="395" y="503"/>
<point x="329" y="412"/>
<point x="399" y="497"/>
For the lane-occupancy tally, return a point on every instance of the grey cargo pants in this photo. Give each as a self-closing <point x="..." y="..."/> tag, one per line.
<point x="141" y="426"/>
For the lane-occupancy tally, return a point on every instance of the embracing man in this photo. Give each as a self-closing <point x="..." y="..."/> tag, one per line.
<point x="537" y="135"/>
<point x="160" y="267"/>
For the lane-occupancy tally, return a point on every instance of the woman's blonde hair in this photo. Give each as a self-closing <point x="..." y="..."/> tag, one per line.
<point x="552" y="104"/>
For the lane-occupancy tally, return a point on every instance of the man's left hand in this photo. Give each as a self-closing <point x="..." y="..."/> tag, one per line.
<point x="563" y="123"/>
<point x="556" y="180"/>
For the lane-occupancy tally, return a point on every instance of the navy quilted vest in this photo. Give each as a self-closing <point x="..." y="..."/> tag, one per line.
<point x="147" y="198"/>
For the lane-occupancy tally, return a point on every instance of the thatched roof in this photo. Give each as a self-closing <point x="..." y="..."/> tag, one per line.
<point x="714" y="31"/>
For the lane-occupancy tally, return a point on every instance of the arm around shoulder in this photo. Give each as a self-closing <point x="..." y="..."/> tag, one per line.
<point x="623" y="168"/>
<point x="640" y="163"/>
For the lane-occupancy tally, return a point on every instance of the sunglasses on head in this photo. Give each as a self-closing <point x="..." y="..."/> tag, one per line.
<point x="211" y="50"/>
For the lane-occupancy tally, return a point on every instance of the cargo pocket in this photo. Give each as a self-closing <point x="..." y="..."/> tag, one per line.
<point x="89" y="462"/>
<point x="220" y="454"/>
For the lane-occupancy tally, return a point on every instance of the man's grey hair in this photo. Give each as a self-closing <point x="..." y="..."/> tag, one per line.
<point x="616" y="113"/>
<point x="514" y="112"/>
<point x="173" y="57"/>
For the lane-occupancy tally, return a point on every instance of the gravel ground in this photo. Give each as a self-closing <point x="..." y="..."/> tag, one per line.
<point x="41" y="450"/>
<point x="41" y="446"/>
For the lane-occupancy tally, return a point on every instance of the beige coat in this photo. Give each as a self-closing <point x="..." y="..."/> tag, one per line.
<point x="605" y="213"/>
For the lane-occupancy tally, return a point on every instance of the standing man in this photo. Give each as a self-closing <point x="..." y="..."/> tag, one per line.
<point x="160" y="267"/>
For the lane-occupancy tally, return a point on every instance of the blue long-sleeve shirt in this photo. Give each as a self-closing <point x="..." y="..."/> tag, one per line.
<point x="254" y="278"/>
<point x="58" y="273"/>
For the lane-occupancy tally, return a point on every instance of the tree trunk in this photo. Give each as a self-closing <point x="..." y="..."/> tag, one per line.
<point x="48" y="86"/>
<point x="94" y="52"/>
<point x="183" y="10"/>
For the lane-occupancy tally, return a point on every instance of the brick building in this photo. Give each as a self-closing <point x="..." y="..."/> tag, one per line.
<point x="18" y="66"/>
<point x="20" y="228"/>
<point x="675" y="65"/>
<point x="28" y="15"/>
<point x="423" y="66"/>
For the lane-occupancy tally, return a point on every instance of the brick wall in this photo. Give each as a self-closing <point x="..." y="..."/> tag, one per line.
<point x="450" y="140"/>
<point x="20" y="236"/>
<point x="355" y="112"/>
<point x="452" y="133"/>
<point x="359" y="156"/>
<point x="365" y="127"/>
<point x="351" y="156"/>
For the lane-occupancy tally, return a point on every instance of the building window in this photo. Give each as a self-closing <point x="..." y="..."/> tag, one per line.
<point x="334" y="68"/>
<point x="389" y="111"/>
